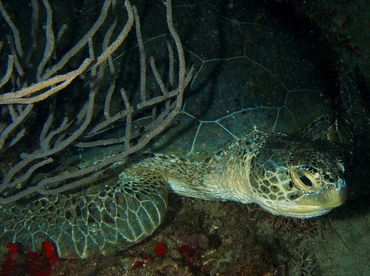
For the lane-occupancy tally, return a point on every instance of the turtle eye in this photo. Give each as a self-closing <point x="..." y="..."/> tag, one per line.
<point x="305" y="180"/>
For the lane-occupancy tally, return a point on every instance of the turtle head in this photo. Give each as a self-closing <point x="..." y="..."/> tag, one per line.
<point x="297" y="179"/>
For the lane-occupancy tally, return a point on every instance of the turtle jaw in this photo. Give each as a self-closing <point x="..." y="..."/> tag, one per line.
<point x="312" y="205"/>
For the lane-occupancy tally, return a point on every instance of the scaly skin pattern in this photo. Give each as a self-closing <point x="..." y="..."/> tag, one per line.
<point x="288" y="177"/>
<point x="295" y="178"/>
<point x="101" y="220"/>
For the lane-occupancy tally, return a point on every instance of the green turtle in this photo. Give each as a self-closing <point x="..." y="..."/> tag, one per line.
<point x="269" y="130"/>
<point x="284" y="176"/>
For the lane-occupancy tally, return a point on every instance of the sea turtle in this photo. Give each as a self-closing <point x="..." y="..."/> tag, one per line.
<point x="251" y="131"/>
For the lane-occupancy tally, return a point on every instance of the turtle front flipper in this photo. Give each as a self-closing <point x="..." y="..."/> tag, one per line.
<point x="101" y="220"/>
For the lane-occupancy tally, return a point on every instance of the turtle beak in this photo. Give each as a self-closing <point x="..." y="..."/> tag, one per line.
<point x="331" y="196"/>
<point x="334" y="196"/>
<point x="318" y="204"/>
